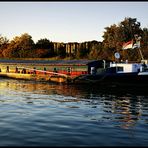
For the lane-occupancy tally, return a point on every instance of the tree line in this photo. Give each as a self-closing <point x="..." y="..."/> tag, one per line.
<point x="113" y="38"/>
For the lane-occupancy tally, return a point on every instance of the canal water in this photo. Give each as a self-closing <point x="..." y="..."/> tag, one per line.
<point x="42" y="114"/>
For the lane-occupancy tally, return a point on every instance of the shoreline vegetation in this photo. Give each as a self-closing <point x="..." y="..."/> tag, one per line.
<point x="23" y="47"/>
<point x="44" y="59"/>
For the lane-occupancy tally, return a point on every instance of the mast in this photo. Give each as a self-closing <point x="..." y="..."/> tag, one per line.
<point x="141" y="54"/>
<point x="137" y="45"/>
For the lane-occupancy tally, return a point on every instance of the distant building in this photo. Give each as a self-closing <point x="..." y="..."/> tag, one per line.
<point x="70" y="47"/>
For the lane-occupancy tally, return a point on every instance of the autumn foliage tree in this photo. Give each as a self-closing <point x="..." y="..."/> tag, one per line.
<point x="3" y="44"/>
<point x="20" y="47"/>
<point x="113" y="38"/>
<point x="116" y="35"/>
<point x="95" y="49"/>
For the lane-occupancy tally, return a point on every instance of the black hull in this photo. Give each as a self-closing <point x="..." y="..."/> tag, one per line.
<point x="113" y="79"/>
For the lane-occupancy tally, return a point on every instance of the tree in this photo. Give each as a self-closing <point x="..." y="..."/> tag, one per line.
<point x="83" y="51"/>
<point x="128" y="28"/>
<point x="144" y="43"/>
<point x="45" y="44"/>
<point x="3" y="44"/>
<point x="145" y="37"/>
<point x="111" y="37"/>
<point x="95" y="49"/>
<point x="40" y="53"/>
<point x="21" y="47"/>
<point x="115" y="35"/>
<point x="61" y="52"/>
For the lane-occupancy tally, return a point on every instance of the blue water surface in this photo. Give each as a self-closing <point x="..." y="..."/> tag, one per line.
<point x="44" y="114"/>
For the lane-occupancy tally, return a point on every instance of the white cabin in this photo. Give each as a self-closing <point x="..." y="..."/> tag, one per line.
<point x="126" y="67"/>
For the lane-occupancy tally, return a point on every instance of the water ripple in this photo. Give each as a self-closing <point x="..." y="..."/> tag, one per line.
<point x="40" y="114"/>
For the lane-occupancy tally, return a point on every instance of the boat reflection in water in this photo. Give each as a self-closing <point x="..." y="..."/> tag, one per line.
<point x="123" y="106"/>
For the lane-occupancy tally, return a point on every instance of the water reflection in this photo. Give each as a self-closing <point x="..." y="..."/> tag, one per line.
<point x="124" y="108"/>
<point x="126" y="113"/>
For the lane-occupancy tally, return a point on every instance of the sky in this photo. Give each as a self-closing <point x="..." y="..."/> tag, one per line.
<point x="67" y="21"/>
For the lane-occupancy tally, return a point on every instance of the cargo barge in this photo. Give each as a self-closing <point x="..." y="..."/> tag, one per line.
<point x="77" y="72"/>
<point x="48" y="71"/>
